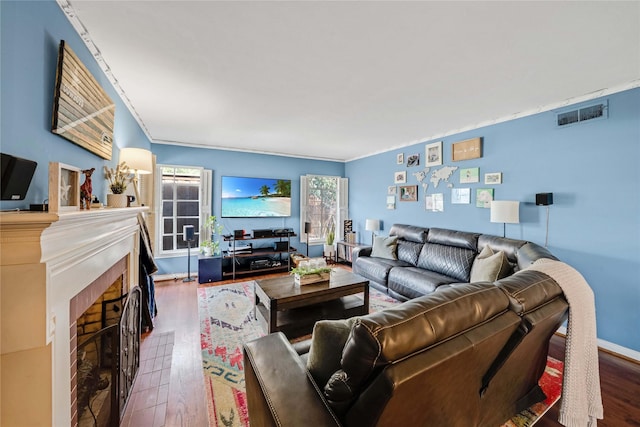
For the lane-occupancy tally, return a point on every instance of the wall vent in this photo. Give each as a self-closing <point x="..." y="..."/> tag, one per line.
<point x="582" y="114"/>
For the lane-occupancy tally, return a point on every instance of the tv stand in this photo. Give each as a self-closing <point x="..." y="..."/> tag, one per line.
<point x="259" y="259"/>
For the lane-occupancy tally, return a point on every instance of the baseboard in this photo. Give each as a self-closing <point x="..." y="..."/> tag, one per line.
<point x="609" y="347"/>
<point x="172" y="276"/>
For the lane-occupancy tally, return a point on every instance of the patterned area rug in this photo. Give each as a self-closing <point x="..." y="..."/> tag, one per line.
<point x="226" y="322"/>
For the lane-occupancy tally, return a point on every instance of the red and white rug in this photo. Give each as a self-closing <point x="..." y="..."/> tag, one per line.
<point x="226" y="322"/>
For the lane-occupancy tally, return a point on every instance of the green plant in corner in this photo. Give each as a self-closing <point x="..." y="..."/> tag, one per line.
<point x="211" y="246"/>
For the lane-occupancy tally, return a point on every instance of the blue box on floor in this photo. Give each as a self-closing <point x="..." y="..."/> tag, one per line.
<point x="209" y="269"/>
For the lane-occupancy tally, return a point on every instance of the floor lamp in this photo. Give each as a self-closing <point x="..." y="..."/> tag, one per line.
<point x="505" y="211"/>
<point x="140" y="162"/>
<point x="545" y="199"/>
<point x="307" y="230"/>
<point x="372" y="225"/>
<point x="188" y="235"/>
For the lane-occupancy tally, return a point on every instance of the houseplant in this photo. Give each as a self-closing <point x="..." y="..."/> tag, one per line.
<point x="119" y="178"/>
<point x="211" y="245"/>
<point x="311" y="271"/>
<point x="330" y="237"/>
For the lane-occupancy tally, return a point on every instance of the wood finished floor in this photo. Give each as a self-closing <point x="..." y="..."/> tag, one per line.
<point x="170" y="391"/>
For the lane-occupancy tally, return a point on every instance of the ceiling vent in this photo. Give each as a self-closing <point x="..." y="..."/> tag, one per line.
<point x="582" y="114"/>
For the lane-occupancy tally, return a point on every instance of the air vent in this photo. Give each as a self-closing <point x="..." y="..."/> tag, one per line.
<point x="583" y="114"/>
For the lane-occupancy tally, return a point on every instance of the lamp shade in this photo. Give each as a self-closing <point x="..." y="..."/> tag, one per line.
<point x="505" y="211"/>
<point x="372" y="225"/>
<point x="307" y="227"/>
<point x="138" y="159"/>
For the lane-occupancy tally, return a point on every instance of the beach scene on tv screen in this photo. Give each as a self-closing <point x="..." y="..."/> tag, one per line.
<point x="255" y="197"/>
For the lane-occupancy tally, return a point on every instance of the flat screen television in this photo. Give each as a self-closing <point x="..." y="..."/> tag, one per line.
<point x="245" y="197"/>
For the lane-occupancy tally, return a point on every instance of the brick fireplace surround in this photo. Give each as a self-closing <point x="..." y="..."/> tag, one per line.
<point x="47" y="261"/>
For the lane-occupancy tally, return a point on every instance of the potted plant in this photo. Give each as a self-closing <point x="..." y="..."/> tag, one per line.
<point x="330" y="237"/>
<point x="119" y="178"/>
<point x="211" y="245"/>
<point x="311" y="271"/>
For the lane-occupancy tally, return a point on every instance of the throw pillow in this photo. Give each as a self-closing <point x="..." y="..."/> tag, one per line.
<point x="489" y="266"/>
<point x="385" y="247"/>
<point x="327" y="342"/>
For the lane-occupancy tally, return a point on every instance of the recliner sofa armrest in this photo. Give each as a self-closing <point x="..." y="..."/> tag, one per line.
<point x="360" y="251"/>
<point x="280" y="390"/>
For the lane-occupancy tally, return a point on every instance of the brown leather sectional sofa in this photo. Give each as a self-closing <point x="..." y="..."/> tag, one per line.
<point x="469" y="354"/>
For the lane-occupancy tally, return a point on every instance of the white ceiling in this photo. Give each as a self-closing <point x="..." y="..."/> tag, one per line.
<point x="341" y="80"/>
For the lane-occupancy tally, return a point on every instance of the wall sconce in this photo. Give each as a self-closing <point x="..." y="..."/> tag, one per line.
<point x="545" y="199"/>
<point x="140" y="161"/>
<point x="505" y="211"/>
<point x="372" y="225"/>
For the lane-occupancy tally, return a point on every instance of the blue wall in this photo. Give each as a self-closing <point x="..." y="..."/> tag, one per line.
<point x="30" y="35"/>
<point x="232" y="163"/>
<point x="592" y="171"/>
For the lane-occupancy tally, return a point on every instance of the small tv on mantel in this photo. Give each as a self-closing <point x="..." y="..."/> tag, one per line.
<point x="245" y="197"/>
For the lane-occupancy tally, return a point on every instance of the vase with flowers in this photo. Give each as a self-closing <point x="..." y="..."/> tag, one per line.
<point x="119" y="178"/>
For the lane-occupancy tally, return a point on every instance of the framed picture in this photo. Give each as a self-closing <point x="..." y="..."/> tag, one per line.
<point x="413" y="160"/>
<point x="433" y="154"/>
<point x="391" y="202"/>
<point x="408" y="193"/>
<point x="484" y="196"/>
<point x="400" y="177"/>
<point x="434" y="202"/>
<point x="493" y="178"/>
<point x="400" y="158"/>
<point x="469" y="175"/>
<point x="467" y="149"/>
<point x="64" y="188"/>
<point x="460" y="196"/>
<point x="392" y="190"/>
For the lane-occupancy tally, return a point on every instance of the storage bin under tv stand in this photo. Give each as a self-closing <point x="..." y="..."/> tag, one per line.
<point x="240" y="262"/>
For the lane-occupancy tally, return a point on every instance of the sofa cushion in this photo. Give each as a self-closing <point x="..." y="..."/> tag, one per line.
<point x="385" y="247"/>
<point x="409" y="251"/>
<point x="508" y="246"/>
<point x="327" y="342"/>
<point x="410" y="233"/>
<point x="459" y="239"/>
<point x="489" y="266"/>
<point x="413" y="282"/>
<point x="448" y="260"/>
<point x="376" y="269"/>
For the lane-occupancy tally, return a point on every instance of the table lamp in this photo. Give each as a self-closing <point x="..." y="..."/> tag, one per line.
<point x="140" y="162"/>
<point x="505" y="211"/>
<point x="372" y="225"/>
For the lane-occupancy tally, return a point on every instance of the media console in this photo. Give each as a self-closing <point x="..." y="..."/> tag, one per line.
<point x="268" y="253"/>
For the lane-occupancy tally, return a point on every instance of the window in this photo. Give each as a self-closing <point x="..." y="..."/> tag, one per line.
<point x="323" y="201"/>
<point x="182" y="200"/>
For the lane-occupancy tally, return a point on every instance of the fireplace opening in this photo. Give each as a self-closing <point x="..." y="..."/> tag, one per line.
<point x="107" y="356"/>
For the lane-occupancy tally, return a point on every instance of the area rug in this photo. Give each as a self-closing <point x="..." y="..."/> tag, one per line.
<point x="226" y="322"/>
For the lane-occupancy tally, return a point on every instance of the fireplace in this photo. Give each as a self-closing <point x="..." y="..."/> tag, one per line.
<point x="54" y="266"/>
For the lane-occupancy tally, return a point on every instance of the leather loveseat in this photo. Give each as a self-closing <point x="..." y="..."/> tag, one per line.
<point x="427" y="258"/>
<point x="469" y="354"/>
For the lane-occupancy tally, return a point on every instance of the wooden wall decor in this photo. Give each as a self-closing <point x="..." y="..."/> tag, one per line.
<point x="82" y="111"/>
<point x="467" y="149"/>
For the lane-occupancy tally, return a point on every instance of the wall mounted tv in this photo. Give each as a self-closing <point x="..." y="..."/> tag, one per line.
<point x="244" y="197"/>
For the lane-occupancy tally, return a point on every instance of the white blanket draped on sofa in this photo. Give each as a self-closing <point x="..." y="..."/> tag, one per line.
<point x="581" y="399"/>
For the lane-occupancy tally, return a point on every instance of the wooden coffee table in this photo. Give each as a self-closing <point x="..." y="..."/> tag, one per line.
<point x="280" y="305"/>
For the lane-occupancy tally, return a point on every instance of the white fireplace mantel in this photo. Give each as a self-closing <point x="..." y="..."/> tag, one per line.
<point x="46" y="259"/>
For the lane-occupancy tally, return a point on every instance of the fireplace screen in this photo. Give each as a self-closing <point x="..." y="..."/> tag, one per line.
<point x="107" y="363"/>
